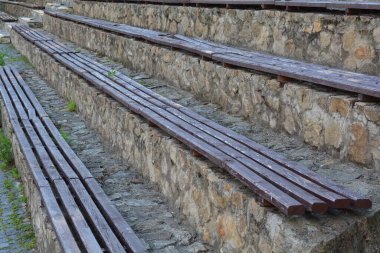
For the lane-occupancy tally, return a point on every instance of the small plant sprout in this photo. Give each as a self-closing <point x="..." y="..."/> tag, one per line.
<point x="71" y="106"/>
<point x="111" y="73"/>
<point x="64" y="134"/>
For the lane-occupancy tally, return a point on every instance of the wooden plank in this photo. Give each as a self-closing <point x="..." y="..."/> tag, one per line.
<point x="12" y="94"/>
<point x="63" y="232"/>
<point x="66" y="150"/>
<point x="116" y="221"/>
<point x="14" y="82"/>
<point x="42" y="154"/>
<point x="97" y="220"/>
<point x="55" y="154"/>
<point x="80" y="225"/>
<point x="26" y="149"/>
<point x="28" y="92"/>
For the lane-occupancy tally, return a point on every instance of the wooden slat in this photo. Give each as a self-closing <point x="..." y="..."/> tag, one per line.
<point x="317" y="74"/>
<point x="117" y="222"/>
<point x="97" y="220"/>
<point x="63" y="232"/>
<point x="83" y="230"/>
<point x="5" y="17"/>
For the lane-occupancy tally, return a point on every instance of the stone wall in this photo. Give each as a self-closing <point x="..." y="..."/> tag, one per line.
<point x="224" y="212"/>
<point x="327" y="120"/>
<point x="16" y="10"/>
<point x="47" y="241"/>
<point x="348" y="42"/>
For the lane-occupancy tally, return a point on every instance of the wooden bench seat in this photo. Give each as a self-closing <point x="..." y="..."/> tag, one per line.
<point x="289" y="186"/>
<point x="282" y="67"/>
<point x="5" y="17"/>
<point x="84" y="218"/>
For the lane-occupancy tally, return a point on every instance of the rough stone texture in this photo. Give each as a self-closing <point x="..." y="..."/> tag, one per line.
<point x="325" y="120"/>
<point x="4" y="37"/>
<point x="222" y="210"/>
<point x="348" y="42"/>
<point x="46" y="238"/>
<point x="16" y="10"/>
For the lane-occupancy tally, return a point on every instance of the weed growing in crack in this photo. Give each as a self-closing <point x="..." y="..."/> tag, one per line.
<point x="111" y="73"/>
<point x="71" y="106"/>
<point x="64" y="135"/>
<point x="2" y="60"/>
<point x="15" y="173"/>
<point x="6" y="156"/>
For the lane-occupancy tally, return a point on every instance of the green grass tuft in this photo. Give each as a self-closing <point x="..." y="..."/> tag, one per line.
<point x="15" y="173"/>
<point x="111" y="73"/>
<point x="64" y="134"/>
<point x="7" y="184"/>
<point x="6" y="156"/>
<point x="71" y="106"/>
<point x="2" y="61"/>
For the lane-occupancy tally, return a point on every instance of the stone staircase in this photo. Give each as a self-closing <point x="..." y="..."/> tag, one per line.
<point x="332" y="132"/>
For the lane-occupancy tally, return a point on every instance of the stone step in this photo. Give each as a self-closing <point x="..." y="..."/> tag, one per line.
<point x="158" y="224"/>
<point x="329" y="120"/>
<point x="222" y="210"/>
<point x="4" y="37"/>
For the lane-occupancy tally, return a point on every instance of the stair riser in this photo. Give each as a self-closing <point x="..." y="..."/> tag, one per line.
<point x="326" y="120"/>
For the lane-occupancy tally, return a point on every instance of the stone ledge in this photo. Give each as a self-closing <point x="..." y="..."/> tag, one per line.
<point x="47" y="241"/>
<point x="326" y="120"/>
<point x="340" y="41"/>
<point x="221" y="209"/>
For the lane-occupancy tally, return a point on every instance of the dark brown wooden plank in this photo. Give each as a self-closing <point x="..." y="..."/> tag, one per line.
<point x="63" y="232"/>
<point x="98" y="222"/>
<point x="66" y="150"/>
<point x="80" y="225"/>
<point x="28" y="93"/>
<point x="41" y="152"/>
<point x="122" y="229"/>
<point x="55" y="154"/>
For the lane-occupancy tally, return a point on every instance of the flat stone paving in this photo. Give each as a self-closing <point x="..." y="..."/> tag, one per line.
<point x="16" y="231"/>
